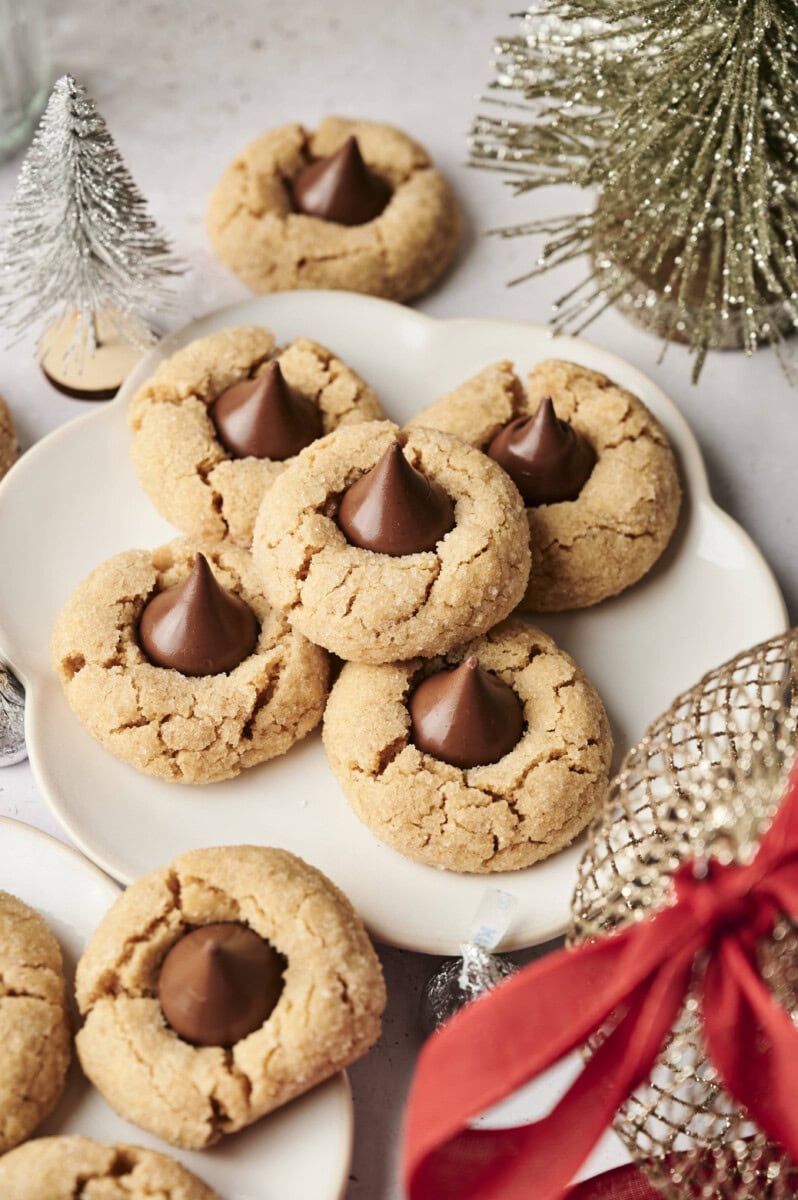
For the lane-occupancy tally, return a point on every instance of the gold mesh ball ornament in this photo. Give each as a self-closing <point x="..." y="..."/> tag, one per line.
<point x="705" y="781"/>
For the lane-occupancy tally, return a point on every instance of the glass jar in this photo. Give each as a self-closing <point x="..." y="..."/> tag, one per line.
<point x="24" y="72"/>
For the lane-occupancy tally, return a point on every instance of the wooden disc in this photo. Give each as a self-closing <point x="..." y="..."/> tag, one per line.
<point x="80" y="372"/>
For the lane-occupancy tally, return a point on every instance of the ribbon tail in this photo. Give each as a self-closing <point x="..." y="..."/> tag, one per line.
<point x="753" y="1043"/>
<point x="540" y="1159"/>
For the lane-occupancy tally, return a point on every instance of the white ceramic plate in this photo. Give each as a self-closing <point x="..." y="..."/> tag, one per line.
<point x="73" y="500"/>
<point x="303" y="1149"/>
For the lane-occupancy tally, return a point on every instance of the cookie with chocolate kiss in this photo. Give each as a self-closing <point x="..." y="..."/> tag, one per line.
<point x="197" y="627"/>
<point x="491" y="758"/>
<point x="394" y="509"/>
<point x="170" y="663"/>
<point x="265" y="418"/>
<point x="219" y="983"/>
<point x="384" y="544"/>
<point x="352" y="205"/>
<point x="248" y="1028"/>
<point x="341" y="188"/>
<point x="547" y="459"/>
<point x="466" y="717"/>
<point x="595" y="530"/>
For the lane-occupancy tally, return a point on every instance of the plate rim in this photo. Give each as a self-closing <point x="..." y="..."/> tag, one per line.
<point x="72" y="852"/>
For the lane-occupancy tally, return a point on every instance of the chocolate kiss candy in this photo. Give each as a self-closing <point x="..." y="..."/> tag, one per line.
<point x="265" y="418"/>
<point x="466" y="717"/>
<point x="198" y="627"/>
<point x="219" y="983"/>
<point x="547" y="460"/>
<point x="394" y="509"/>
<point x="341" y="188"/>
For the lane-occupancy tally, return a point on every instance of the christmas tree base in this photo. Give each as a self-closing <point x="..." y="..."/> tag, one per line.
<point x="657" y="312"/>
<point x="79" y="371"/>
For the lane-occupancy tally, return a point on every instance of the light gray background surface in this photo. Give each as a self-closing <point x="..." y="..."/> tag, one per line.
<point x="183" y="86"/>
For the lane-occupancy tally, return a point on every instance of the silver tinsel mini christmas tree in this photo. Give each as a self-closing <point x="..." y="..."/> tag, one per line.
<point x="79" y="238"/>
<point x="682" y="117"/>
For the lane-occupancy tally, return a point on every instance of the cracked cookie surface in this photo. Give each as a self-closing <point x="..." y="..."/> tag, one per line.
<point x="183" y="467"/>
<point x="34" y="1024"/>
<point x="8" y="439"/>
<point x="370" y="607"/>
<point x="62" y="1168"/>
<point x="397" y="255"/>
<point x="181" y="728"/>
<point x="612" y="534"/>
<point x="500" y="817"/>
<point x="327" y="1015"/>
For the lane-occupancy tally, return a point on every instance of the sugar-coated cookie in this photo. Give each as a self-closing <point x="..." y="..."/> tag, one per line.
<point x="35" y="1039"/>
<point x="167" y="723"/>
<point x="255" y="229"/>
<point x="8" y="439"/>
<point x="533" y="800"/>
<point x="191" y="477"/>
<point x="613" y="532"/>
<point x="62" y="1168"/>
<point x="326" y="1015"/>
<point x="368" y="606"/>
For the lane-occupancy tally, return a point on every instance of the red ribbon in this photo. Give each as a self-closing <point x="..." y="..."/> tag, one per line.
<point x="624" y="1183"/>
<point x="639" y="976"/>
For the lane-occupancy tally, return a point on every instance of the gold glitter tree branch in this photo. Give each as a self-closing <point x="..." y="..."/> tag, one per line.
<point x="682" y="118"/>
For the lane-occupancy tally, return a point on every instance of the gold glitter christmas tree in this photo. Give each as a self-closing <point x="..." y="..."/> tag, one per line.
<point x="682" y="117"/>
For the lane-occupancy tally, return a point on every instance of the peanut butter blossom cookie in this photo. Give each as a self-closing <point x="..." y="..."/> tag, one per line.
<point x="222" y="418"/>
<point x="221" y="987"/>
<point x="8" y="439"/>
<point x="63" y="1168"/>
<point x="34" y="1023"/>
<point x="354" y="205"/>
<point x="488" y="758"/>
<point x="597" y="474"/>
<point x="177" y="663"/>
<point x="382" y="545"/>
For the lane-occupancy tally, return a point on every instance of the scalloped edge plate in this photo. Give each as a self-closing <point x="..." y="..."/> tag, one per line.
<point x="303" y="1149"/>
<point x="73" y="501"/>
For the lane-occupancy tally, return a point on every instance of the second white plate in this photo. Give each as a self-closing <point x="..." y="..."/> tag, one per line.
<point x="303" y="1149"/>
<point x="73" y="500"/>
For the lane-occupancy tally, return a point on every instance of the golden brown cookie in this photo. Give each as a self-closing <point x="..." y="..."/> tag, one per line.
<point x="508" y="814"/>
<point x="8" y="439"/>
<point x="327" y="1015"/>
<point x="185" y="470"/>
<point x="62" y="1168"/>
<point x="615" y="530"/>
<point x="35" y="1039"/>
<point x="183" y="728"/>
<point x="370" y="607"/>
<point x="399" y="254"/>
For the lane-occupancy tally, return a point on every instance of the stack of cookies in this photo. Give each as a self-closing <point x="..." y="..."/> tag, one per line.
<point x="314" y="526"/>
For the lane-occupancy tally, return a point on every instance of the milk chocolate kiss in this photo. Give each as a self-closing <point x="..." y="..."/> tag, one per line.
<point x="198" y="627"/>
<point x="466" y="717"/>
<point x="265" y="418"/>
<point x="341" y="188"/>
<point x="394" y="509"/>
<point x="547" y="460"/>
<point x="219" y="983"/>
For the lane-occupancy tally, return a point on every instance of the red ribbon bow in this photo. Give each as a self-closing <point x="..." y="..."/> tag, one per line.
<point x="640" y="976"/>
